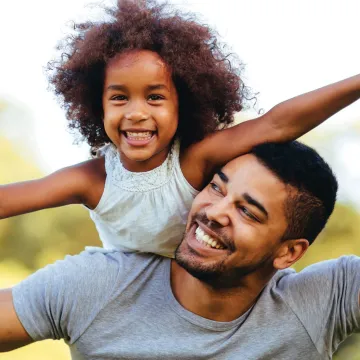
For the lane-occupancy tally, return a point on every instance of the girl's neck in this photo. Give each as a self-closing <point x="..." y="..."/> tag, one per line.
<point x="146" y="165"/>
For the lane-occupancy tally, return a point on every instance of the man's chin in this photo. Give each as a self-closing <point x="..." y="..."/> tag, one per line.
<point x="214" y="272"/>
<point x="196" y="265"/>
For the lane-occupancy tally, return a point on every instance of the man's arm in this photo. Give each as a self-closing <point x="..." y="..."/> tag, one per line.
<point x="12" y="333"/>
<point x="325" y="298"/>
<point x="285" y="122"/>
<point x="46" y="306"/>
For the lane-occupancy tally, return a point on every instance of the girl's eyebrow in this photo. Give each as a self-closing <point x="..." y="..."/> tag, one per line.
<point x="116" y="87"/>
<point x="158" y="87"/>
<point x="150" y="87"/>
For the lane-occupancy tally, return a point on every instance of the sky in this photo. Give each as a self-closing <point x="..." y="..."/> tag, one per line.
<point x="289" y="47"/>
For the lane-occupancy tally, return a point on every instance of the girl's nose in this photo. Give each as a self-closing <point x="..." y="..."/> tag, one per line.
<point x="136" y="116"/>
<point x="136" y="112"/>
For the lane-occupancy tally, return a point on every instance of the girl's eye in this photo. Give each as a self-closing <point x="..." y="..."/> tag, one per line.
<point x="119" y="98"/>
<point x="155" y="97"/>
<point x="215" y="187"/>
<point x="248" y="213"/>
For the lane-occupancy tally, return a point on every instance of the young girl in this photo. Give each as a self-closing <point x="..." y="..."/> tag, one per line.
<point x="153" y="86"/>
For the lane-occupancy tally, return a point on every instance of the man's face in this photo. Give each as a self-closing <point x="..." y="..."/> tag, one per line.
<point x="235" y="224"/>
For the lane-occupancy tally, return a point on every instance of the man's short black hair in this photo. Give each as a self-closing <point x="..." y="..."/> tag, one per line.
<point x="312" y="186"/>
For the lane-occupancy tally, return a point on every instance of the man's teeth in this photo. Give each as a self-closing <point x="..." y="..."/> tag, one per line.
<point x="207" y="240"/>
<point x="143" y="135"/>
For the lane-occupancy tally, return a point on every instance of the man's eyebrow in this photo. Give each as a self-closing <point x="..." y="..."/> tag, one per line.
<point x="250" y="200"/>
<point x="222" y="176"/>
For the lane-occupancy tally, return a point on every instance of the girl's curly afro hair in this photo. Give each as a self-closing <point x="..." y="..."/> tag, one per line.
<point x="209" y="87"/>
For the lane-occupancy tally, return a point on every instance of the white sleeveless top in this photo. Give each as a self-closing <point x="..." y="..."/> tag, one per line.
<point x="143" y="211"/>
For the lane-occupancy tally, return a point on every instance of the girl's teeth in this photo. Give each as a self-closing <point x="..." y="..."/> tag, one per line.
<point x="206" y="239"/>
<point x="144" y="135"/>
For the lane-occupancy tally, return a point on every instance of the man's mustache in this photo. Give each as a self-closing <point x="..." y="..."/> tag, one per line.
<point x="215" y="227"/>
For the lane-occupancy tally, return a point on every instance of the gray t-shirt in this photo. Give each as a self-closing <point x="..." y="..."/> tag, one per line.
<point x="120" y="306"/>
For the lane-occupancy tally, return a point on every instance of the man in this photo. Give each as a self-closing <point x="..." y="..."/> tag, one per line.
<point x="228" y="294"/>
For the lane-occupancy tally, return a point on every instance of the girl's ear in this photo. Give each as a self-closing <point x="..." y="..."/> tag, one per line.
<point x="289" y="253"/>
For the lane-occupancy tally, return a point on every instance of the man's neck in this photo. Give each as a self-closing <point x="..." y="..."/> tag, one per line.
<point x="213" y="303"/>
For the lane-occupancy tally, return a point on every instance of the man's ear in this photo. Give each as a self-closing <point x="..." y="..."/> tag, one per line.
<point x="289" y="252"/>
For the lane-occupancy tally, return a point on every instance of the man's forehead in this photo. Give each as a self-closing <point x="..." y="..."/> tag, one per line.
<point x="248" y="170"/>
<point x="243" y="164"/>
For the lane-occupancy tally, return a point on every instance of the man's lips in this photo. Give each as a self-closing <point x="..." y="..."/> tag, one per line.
<point x="211" y="234"/>
<point x="203" y="244"/>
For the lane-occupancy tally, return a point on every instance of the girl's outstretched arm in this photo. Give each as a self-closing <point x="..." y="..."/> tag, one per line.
<point x="78" y="184"/>
<point x="285" y="122"/>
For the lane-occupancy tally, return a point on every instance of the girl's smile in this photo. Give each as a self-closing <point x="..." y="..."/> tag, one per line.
<point x="140" y="106"/>
<point x="139" y="137"/>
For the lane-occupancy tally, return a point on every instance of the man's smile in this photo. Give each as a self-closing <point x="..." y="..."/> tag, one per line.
<point x="204" y="237"/>
<point x="203" y="243"/>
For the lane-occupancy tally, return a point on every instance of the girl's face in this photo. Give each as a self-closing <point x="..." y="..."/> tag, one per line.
<point x="140" y="106"/>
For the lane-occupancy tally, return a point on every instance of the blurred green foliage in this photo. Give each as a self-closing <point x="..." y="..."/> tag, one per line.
<point x="32" y="241"/>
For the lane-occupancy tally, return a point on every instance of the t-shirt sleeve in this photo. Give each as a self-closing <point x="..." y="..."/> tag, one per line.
<point x="325" y="297"/>
<point x="61" y="300"/>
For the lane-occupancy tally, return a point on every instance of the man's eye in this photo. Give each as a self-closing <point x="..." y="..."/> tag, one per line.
<point x="155" y="97"/>
<point x="247" y="213"/>
<point x="119" y="97"/>
<point x="215" y="187"/>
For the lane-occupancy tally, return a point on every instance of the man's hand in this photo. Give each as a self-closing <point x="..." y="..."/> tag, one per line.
<point x="12" y="333"/>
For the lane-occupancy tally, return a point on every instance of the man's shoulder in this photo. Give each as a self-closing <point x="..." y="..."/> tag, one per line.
<point x="62" y="299"/>
<point x="98" y="268"/>
<point x="102" y="260"/>
<point x="326" y="292"/>
<point x="327" y="270"/>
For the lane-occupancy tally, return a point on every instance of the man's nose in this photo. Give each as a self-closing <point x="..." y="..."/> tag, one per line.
<point x="219" y="212"/>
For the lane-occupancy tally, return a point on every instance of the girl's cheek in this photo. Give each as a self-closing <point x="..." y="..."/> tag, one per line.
<point x="111" y="119"/>
<point x="111" y="129"/>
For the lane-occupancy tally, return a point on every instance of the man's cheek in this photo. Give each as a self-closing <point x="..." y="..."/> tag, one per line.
<point x="195" y="209"/>
<point x="247" y="236"/>
<point x="190" y="219"/>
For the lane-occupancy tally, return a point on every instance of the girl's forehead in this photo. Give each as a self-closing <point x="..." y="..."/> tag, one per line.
<point x="138" y="69"/>
<point x="137" y="58"/>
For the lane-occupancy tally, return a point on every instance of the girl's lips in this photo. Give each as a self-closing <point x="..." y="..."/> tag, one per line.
<point x="138" y="142"/>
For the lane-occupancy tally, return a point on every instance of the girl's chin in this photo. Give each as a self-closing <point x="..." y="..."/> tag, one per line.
<point x="139" y="161"/>
<point x="131" y="156"/>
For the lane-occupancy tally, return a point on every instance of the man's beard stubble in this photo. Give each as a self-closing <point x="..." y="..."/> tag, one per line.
<point x="216" y="275"/>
